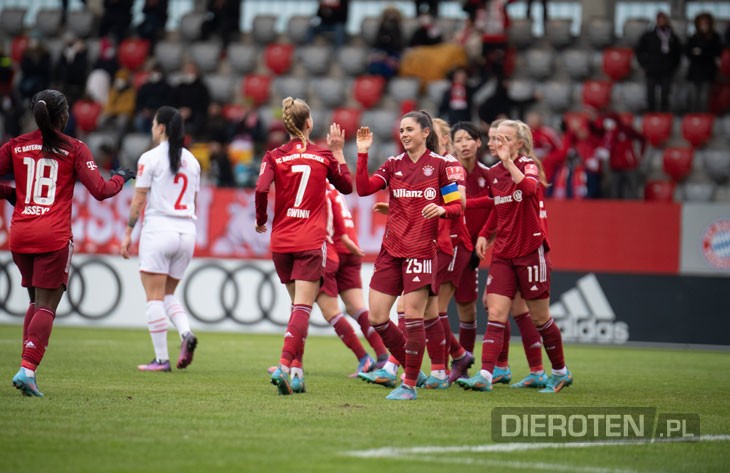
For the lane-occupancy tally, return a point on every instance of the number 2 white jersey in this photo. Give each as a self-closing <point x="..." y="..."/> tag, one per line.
<point x="171" y="197"/>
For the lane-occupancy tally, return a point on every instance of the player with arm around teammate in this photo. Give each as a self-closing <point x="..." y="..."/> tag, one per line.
<point x="46" y="164"/>
<point x="168" y="182"/>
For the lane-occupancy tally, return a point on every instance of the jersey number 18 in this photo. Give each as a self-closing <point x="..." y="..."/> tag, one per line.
<point x="39" y="186"/>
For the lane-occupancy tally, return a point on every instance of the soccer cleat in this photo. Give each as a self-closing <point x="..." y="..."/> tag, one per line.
<point x="366" y="365"/>
<point x="460" y="367"/>
<point x="382" y="360"/>
<point x="475" y="383"/>
<point x="403" y="393"/>
<point x="297" y="385"/>
<point x="26" y="384"/>
<point x="500" y="375"/>
<point x="282" y="382"/>
<point x="156" y="365"/>
<point x="421" y="381"/>
<point x="532" y="380"/>
<point x="187" y="349"/>
<point x="380" y="376"/>
<point x="556" y="382"/>
<point x="434" y="383"/>
<point x="271" y="369"/>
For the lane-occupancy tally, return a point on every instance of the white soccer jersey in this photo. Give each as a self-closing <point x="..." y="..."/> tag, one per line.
<point x="171" y="197"/>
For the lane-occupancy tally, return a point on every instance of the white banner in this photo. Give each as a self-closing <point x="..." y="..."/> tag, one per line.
<point x="705" y="239"/>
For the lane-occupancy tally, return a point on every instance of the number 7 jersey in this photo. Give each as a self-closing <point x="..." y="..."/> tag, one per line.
<point x="44" y="190"/>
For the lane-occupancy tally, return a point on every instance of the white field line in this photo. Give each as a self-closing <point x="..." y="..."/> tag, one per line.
<point x="517" y="465"/>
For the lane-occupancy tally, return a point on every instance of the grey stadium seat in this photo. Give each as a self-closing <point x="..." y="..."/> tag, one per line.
<point x="95" y="139"/>
<point x="221" y="87"/>
<point x="11" y="20"/>
<point x="449" y="27"/>
<point x="48" y="21"/>
<point x="381" y="122"/>
<point x="632" y="30"/>
<point x="81" y="22"/>
<point x="243" y="58"/>
<point x="369" y="29"/>
<point x="717" y="163"/>
<point x="169" y="55"/>
<point x="133" y="145"/>
<point x="698" y="188"/>
<point x="520" y="33"/>
<point x="404" y="88"/>
<point x="332" y="92"/>
<point x="352" y="59"/>
<point x="539" y="63"/>
<point x="321" y="119"/>
<point x="435" y="90"/>
<point x="315" y="59"/>
<point x="264" y="29"/>
<point x="558" y="32"/>
<point x="190" y="24"/>
<point x="289" y="86"/>
<point x="558" y="95"/>
<point x="297" y="28"/>
<point x="632" y="95"/>
<point x="385" y="150"/>
<point x="521" y="89"/>
<point x="408" y="27"/>
<point x="577" y="63"/>
<point x="599" y="32"/>
<point x="206" y="55"/>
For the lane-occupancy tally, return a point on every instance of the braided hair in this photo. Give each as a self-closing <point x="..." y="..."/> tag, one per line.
<point x="295" y="113"/>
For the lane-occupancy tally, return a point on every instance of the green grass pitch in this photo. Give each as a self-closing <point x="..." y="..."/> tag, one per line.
<point x="222" y="414"/>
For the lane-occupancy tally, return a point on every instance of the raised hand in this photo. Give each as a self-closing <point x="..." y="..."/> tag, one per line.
<point x="336" y="137"/>
<point x="364" y="139"/>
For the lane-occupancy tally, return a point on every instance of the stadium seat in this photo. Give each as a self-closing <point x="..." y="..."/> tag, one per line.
<point x="315" y="59"/>
<point x="697" y="128"/>
<point x="139" y="78"/>
<point x="577" y="63"/>
<point x="297" y="28"/>
<point x="169" y="55"/>
<point x="599" y="32"/>
<point x="133" y="52"/>
<point x="234" y="112"/>
<point x="369" y="29"/>
<point x="81" y="22"/>
<point x="257" y="88"/>
<point x="575" y="119"/>
<point x="408" y="27"/>
<point x="11" y="20"/>
<point x="368" y="90"/>
<point x="242" y="58"/>
<point x="387" y="149"/>
<point x="698" y="188"/>
<point x="558" y="95"/>
<point x="717" y="164"/>
<point x="331" y="91"/>
<point x="597" y="93"/>
<point x="289" y="86"/>
<point x="96" y="139"/>
<point x="206" y="55"/>
<point x="86" y="113"/>
<point x="348" y="119"/>
<point x="657" y="127"/>
<point x="632" y="95"/>
<point x="381" y="122"/>
<point x="722" y="194"/>
<point x="627" y="118"/>
<point x="404" y="88"/>
<point x="450" y="26"/>
<point x="435" y="90"/>
<point x="132" y="147"/>
<point x="632" y="30"/>
<point x="520" y="33"/>
<point x="48" y="21"/>
<point x="17" y="47"/>
<point x="558" y="32"/>
<point x="264" y="29"/>
<point x="322" y="118"/>
<point x="539" y="63"/>
<point x="617" y="62"/>
<point x="720" y="103"/>
<point x="521" y="90"/>
<point x="221" y="87"/>
<point x="725" y="63"/>
<point x="190" y="24"/>
<point x="352" y="59"/>
<point x="677" y="162"/>
<point x="659" y="191"/>
<point x="278" y="57"/>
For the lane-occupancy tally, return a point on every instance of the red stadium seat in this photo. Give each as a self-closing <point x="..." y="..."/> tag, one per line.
<point x="133" y="53"/>
<point x="697" y="128"/>
<point x="677" y="162"/>
<point x="17" y="48"/>
<point x="627" y="118"/>
<point x="368" y="90"/>
<point x="139" y="78"/>
<point x="725" y="63"/>
<point x="278" y="57"/>
<point x="86" y="112"/>
<point x="617" y="62"/>
<point x="348" y="119"/>
<point x="574" y="120"/>
<point x="720" y="103"/>
<point x="234" y="112"/>
<point x="657" y="127"/>
<point x="257" y="88"/>
<point x="597" y="93"/>
<point x="659" y="191"/>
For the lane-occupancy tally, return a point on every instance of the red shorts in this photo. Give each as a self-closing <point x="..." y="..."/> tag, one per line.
<point x="396" y="276"/>
<point x="468" y="289"/>
<point x="301" y="265"/>
<point x="329" y="280"/>
<point x="451" y="267"/>
<point x="529" y="274"/>
<point x="45" y="270"/>
<point x="348" y="273"/>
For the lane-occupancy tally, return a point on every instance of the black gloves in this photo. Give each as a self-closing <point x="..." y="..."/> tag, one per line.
<point x="126" y="174"/>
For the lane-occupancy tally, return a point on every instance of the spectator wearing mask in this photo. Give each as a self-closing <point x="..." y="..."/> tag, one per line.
<point x="428" y="32"/>
<point x="192" y="97"/>
<point x="659" y="52"/>
<point x="703" y="51"/>
<point x="456" y="103"/>
<point x="331" y="18"/>
<point x="153" y="94"/>
<point x="119" y="109"/>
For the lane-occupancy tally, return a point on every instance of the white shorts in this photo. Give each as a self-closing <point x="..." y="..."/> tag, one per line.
<point x="162" y="252"/>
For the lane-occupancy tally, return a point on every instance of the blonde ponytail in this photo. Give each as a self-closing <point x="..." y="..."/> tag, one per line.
<point x="295" y="113"/>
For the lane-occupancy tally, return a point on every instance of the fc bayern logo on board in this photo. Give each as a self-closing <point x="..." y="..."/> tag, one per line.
<point x="716" y="244"/>
<point x="427" y="171"/>
<point x="429" y="193"/>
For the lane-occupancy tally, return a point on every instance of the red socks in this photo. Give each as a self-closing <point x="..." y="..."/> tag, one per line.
<point x="39" y="332"/>
<point x="531" y="341"/>
<point x="372" y="336"/>
<point x="415" y="345"/>
<point x="468" y="335"/>
<point x="503" y="358"/>
<point x="296" y="334"/>
<point x="26" y="321"/>
<point x="553" y="341"/>
<point x="394" y="340"/>
<point x="435" y="343"/>
<point x="347" y="335"/>
<point x="492" y="345"/>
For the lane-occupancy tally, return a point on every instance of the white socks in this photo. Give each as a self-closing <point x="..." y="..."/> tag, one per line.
<point x="177" y="315"/>
<point x="157" y="325"/>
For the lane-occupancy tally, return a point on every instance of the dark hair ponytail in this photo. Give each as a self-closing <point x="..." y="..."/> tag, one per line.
<point x="171" y="118"/>
<point x="424" y="119"/>
<point x="50" y="111"/>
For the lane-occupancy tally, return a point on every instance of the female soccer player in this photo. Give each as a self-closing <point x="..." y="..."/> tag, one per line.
<point x="421" y="189"/>
<point x="46" y="164"/>
<point x="170" y="175"/>
<point x="299" y="170"/>
<point x="519" y="259"/>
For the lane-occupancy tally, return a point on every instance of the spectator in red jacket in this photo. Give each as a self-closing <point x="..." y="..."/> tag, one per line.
<point x="620" y="140"/>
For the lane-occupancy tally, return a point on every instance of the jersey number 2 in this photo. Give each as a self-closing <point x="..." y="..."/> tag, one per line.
<point x="39" y="186"/>
<point x="181" y="177"/>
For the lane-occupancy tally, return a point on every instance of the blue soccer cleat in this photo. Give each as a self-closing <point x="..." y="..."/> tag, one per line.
<point x="282" y="382"/>
<point x="366" y="364"/>
<point x="433" y="382"/>
<point x="403" y="393"/>
<point x="532" y="380"/>
<point x="502" y="376"/>
<point x="556" y="382"/>
<point x="26" y="384"/>
<point x="475" y="383"/>
<point x="297" y="385"/>
<point x="380" y="376"/>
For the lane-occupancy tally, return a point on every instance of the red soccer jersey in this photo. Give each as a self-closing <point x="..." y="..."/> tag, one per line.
<point x="520" y="228"/>
<point x="300" y="214"/>
<point x="343" y="224"/>
<point x="413" y="185"/>
<point x="476" y="186"/>
<point x="45" y="187"/>
<point x="454" y="231"/>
